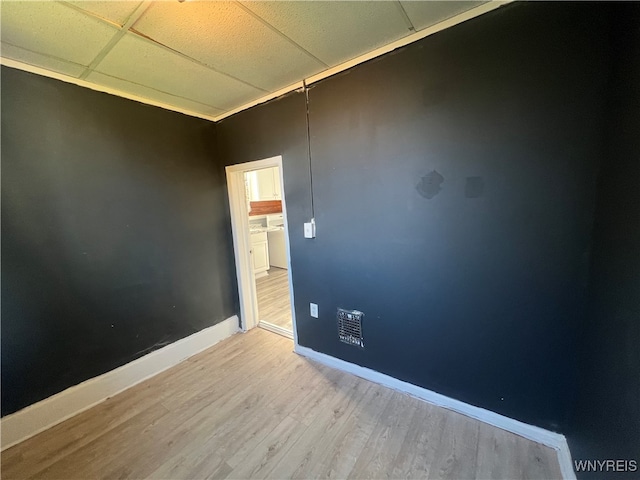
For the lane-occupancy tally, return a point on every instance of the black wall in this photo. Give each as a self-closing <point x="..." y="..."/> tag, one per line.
<point x="115" y="234"/>
<point x="478" y="291"/>
<point x="606" y="424"/>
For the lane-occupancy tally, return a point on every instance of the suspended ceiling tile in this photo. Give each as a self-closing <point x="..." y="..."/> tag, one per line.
<point x="115" y="11"/>
<point x="151" y="94"/>
<point x="142" y="61"/>
<point x="54" y="29"/>
<point x="228" y="38"/>
<point x="335" y="31"/>
<point x="37" y="59"/>
<point x="427" y="13"/>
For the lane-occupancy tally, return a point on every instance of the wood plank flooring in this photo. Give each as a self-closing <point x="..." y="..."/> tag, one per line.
<point x="274" y="303"/>
<point x="250" y="408"/>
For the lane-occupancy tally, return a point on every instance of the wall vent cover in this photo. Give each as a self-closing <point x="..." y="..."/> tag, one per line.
<point x="350" y="327"/>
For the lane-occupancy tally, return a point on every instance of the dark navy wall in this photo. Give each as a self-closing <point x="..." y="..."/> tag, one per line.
<point x="115" y="234"/>
<point x="606" y="423"/>
<point x="475" y="284"/>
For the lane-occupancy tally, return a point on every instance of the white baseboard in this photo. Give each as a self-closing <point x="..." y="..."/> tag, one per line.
<point x="537" y="434"/>
<point x="566" y="463"/>
<point x="49" y="412"/>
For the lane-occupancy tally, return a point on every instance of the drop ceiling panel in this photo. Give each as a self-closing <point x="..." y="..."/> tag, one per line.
<point x="151" y="94"/>
<point x="54" y="29"/>
<point x="425" y="14"/>
<point x="143" y="62"/>
<point x="335" y="31"/>
<point x="42" y="61"/>
<point x="115" y="11"/>
<point x="206" y="57"/>
<point x="225" y="36"/>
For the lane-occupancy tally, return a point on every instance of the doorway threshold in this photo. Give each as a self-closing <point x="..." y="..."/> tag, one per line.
<point x="276" y="329"/>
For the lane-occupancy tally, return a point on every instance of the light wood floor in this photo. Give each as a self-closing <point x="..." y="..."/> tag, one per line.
<point x="250" y="408"/>
<point x="274" y="303"/>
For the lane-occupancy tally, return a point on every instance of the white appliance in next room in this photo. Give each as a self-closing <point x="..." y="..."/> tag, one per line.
<point x="275" y="233"/>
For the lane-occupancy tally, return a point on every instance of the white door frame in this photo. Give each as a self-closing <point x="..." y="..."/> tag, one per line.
<point x="242" y="240"/>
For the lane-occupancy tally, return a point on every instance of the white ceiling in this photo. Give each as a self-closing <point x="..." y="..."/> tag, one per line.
<point x="206" y="58"/>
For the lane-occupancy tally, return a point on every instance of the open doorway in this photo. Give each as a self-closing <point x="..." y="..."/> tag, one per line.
<point x="261" y="245"/>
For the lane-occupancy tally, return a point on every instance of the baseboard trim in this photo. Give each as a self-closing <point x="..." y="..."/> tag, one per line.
<point x="40" y="416"/>
<point x="551" y="439"/>
<point x="565" y="461"/>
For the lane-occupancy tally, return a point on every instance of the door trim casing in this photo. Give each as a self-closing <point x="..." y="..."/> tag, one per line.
<point x="242" y="242"/>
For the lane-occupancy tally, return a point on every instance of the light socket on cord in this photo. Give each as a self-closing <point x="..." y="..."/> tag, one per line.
<point x="310" y="229"/>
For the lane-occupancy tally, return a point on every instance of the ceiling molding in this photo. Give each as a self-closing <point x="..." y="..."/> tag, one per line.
<point x="265" y="98"/>
<point x="455" y="20"/>
<point x="46" y="55"/>
<point x="7" y="62"/>
<point x="419" y="35"/>
<point x="139" y="11"/>
<point x="414" y="37"/>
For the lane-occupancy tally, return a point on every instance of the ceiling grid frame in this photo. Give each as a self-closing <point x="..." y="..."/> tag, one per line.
<point x="53" y="57"/>
<point x="135" y="15"/>
<point x="142" y="61"/>
<point x="90" y="14"/>
<point x="407" y="20"/>
<point x="162" y="91"/>
<point x="191" y="59"/>
<point x="232" y="39"/>
<point x="414" y="37"/>
<point x="267" y="94"/>
<point x="127" y="27"/>
<point x="278" y="32"/>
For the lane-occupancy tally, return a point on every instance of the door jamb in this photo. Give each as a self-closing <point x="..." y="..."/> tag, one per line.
<point x="242" y="242"/>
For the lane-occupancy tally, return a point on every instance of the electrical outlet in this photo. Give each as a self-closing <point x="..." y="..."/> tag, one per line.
<point x="313" y="310"/>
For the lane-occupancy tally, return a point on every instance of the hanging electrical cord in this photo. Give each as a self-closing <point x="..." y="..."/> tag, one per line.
<point x="306" y="96"/>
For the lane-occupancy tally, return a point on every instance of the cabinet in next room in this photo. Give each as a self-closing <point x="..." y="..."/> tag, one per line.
<point x="264" y="185"/>
<point x="260" y="253"/>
